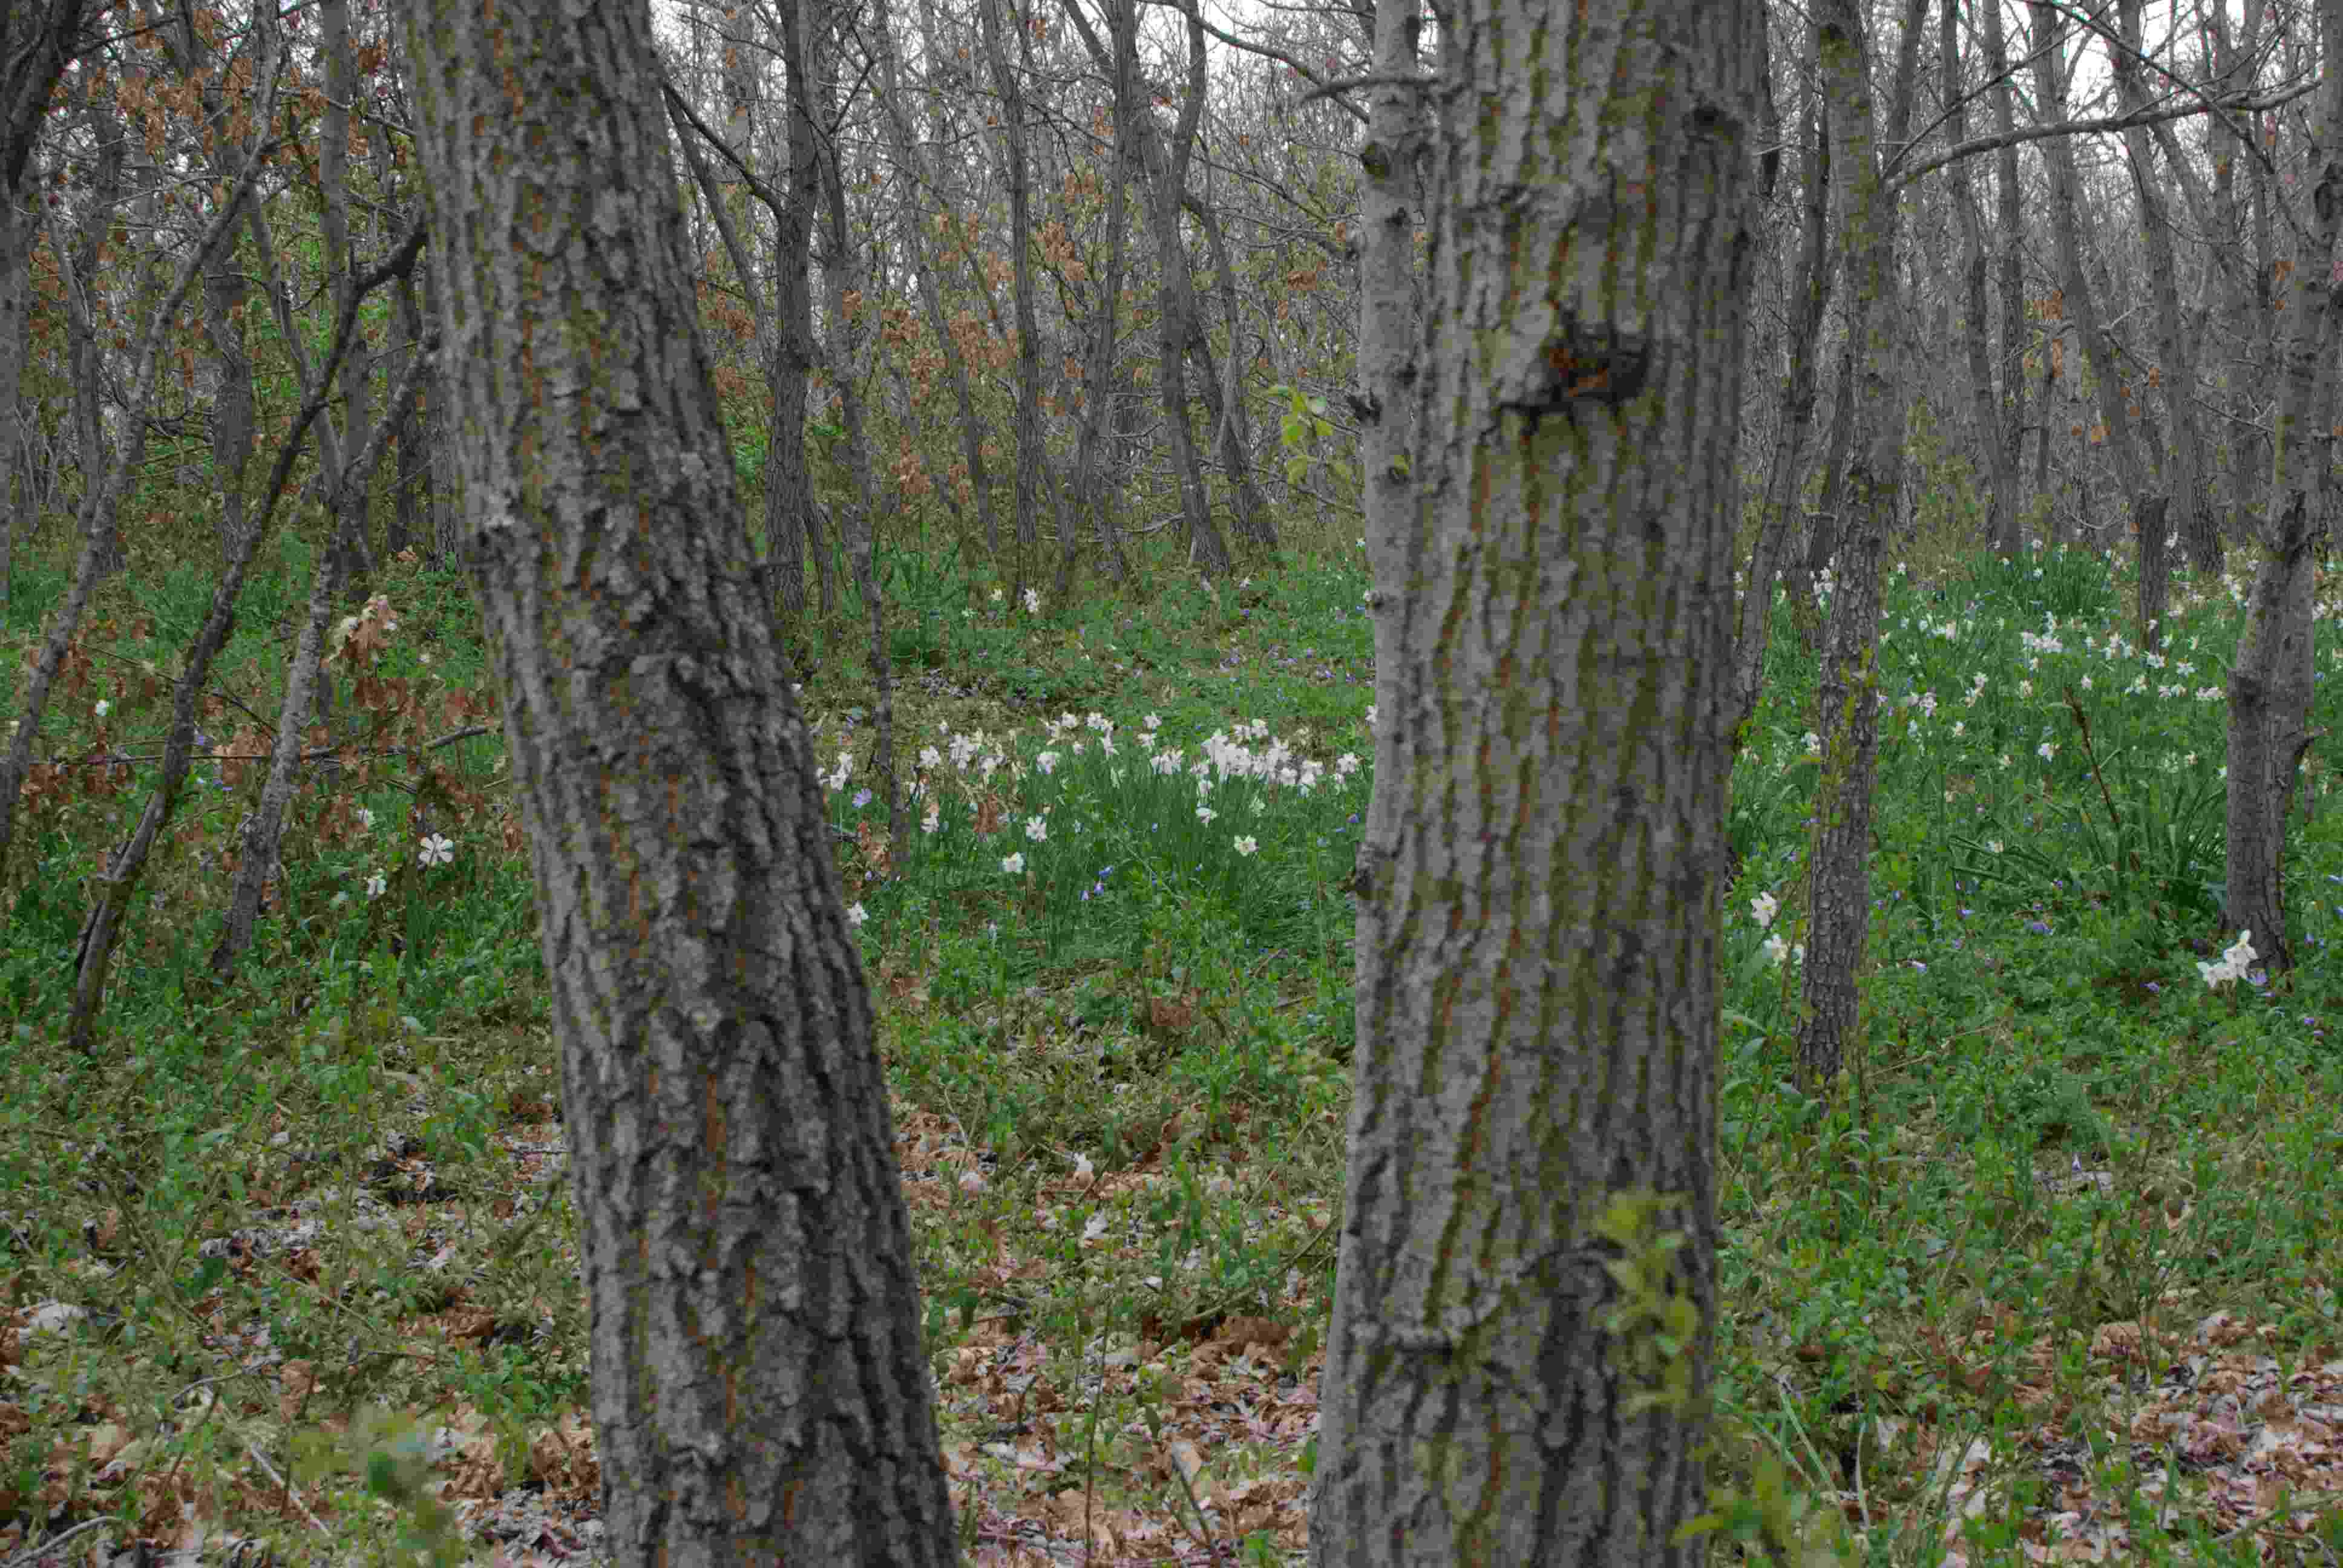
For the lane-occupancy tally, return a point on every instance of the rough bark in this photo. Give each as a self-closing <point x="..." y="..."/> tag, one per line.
<point x="761" y="1394"/>
<point x="1839" y="858"/>
<point x="2270" y="683"/>
<point x="2175" y="374"/>
<point x="792" y="524"/>
<point x="1785" y="478"/>
<point x="1538" y="925"/>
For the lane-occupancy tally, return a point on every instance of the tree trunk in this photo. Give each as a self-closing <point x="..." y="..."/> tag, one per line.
<point x="306" y="691"/>
<point x="1538" y="928"/>
<point x="1206" y="548"/>
<point x="1029" y="454"/>
<point x="1256" y="524"/>
<point x="2228" y="293"/>
<point x="2176" y="375"/>
<point x="760" y="1391"/>
<point x="2010" y="277"/>
<point x="1996" y="453"/>
<point x="347" y="532"/>
<point x="1839" y="861"/>
<point x="1092" y="499"/>
<point x="2107" y="383"/>
<point x="852" y="305"/>
<point x="1385" y="405"/>
<point x="923" y="263"/>
<point x="2270" y="683"/>
<point x="1785" y="480"/>
<point x="792" y="529"/>
<point x="35" y="42"/>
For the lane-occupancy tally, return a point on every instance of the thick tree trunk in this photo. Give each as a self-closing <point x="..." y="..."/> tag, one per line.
<point x="760" y="1391"/>
<point x="1538" y="922"/>
<point x="2270" y="683"/>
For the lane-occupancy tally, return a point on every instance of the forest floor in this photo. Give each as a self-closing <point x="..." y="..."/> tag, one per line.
<point x="2052" y="1274"/>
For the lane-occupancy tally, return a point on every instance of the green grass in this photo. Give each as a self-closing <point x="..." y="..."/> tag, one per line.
<point x="1963" y="1295"/>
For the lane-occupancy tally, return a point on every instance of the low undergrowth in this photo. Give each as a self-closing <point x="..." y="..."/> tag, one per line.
<point x="2052" y="1272"/>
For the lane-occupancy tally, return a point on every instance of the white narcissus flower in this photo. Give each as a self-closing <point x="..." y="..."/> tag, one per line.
<point x="437" y="851"/>
<point x="1763" y="907"/>
<point x="856" y="914"/>
<point x="1013" y="864"/>
<point x="1248" y="844"/>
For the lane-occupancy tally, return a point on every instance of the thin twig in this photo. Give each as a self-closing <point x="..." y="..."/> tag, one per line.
<point x="23" y="1559"/>
<point x="268" y="1470"/>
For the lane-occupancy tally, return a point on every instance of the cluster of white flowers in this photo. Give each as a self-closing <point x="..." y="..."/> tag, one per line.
<point x="2239" y="959"/>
